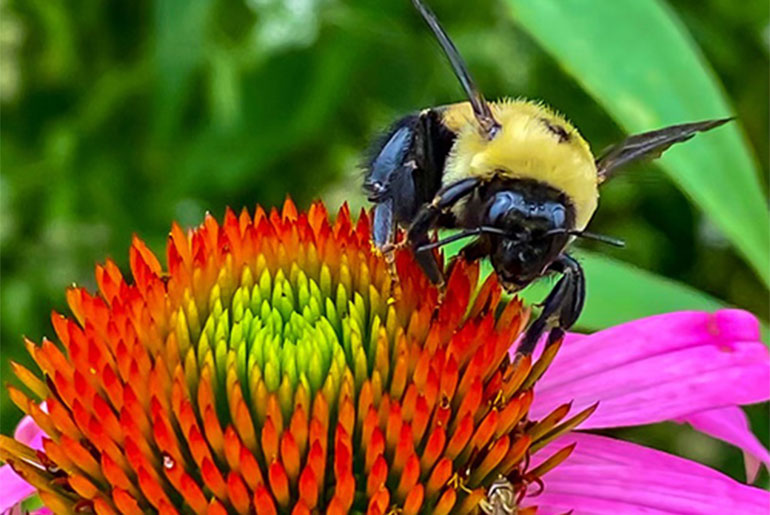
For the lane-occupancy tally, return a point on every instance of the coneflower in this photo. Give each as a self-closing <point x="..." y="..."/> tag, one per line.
<point x="275" y="367"/>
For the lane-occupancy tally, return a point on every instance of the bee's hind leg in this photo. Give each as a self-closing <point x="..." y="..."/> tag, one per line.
<point x="561" y="308"/>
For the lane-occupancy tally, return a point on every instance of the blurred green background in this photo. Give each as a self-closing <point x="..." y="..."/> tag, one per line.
<point x="119" y="117"/>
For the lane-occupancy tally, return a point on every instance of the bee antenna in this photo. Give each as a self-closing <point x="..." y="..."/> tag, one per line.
<point x="476" y="231"/>
<point x="481" y="110"/>
<point x="603" y="238"/>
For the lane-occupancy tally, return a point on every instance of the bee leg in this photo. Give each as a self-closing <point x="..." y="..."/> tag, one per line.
<point x="561" y="308"/>
<point x="476" y="250"/>
<point x="417" y="235"/>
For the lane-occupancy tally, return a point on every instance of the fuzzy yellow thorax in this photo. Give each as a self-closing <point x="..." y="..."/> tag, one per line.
<point x="525" y="148"/>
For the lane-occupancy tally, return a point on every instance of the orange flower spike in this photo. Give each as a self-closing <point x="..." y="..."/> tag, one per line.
<point x="343" y="456"/>
<point x="213" y="478"/>
<point x="232" y="448"/>
<point x="375" y="479"/>
<point x="269" y="441"/>
<point x="508" y="416"/>
<point x="165" y="438"/>
<point x="470" y="402"/>
<point x="460" y="437"/>
<point x="114" y="473"/>
<point x="60" y="416"/>
<point x="445" y="503"/>
<point x="516" y="374"/>
<point x="449" y="378"/>
<point x="487" y="297"/>
<point x="250" y="469"/>
<point x="404" y="448"/>
<point x="515" y="454"/>
<point x="547" y="423"/>
<point x="81" y="458"/>
<point x="214" y="434"/>
<point x="103" y="506"/>
<point x="125" y="502"/>
<point x="347" y="415"/>
<point x="421" y="417"/>
<point x="433" y="449"/>
<point x="300" y="509"/>
<point x="151" y="488"/>
<point x="431" y="388"/>
<point x="263" y="503"/>
<point x="316" y="460"/>
<point x="483" y="434"/>
<point x="290" y="456"/>
<point x="393" y="427"/>
<point x="192" y="493"/>
<point x="238" y="493"/>
<point x="299" y="429"/>
<point x="345" y="490"/>
<point x="321" y="410"/>
<point x="409" y="403"/>
<point x="279" y="484"/>
<point x="378" y="502"/>
<point x="409" y="477"/>
<point x="414" y="500"/>
<point x="471" y="501"/>
<point x="112" y="387"/>
<point x="308" y="487"/>
<point x="374" y="448"/>
<point x="216" y="508"/>
<point x="336" y="507"/>
<point x="274" y="412"/>
<point x="244" y="425"/>
<point x="494" y="455"/>
<point x="365" y="400"/>
<point x="441" y="414"/>
<point x="83" y="487"/>
<point x="438" y="478"/>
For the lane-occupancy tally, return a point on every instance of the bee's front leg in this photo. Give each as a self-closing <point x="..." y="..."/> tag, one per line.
<point x="424" y="221"/>
<point x="561" y="308"/>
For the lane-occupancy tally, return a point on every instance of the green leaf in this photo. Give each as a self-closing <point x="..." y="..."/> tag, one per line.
<point x="617" y="292"/>
<point x="638" y="61"/>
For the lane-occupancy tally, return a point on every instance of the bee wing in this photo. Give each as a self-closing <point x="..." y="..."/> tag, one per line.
<point x="649" y="145"/>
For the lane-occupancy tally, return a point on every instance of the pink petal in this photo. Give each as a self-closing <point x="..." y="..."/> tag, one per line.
<point x="28" y="432"/>
<point x="659" y="368"/>
<point x="730" y="424"/>
<point x="13" y="489"/>
<point x="604" y="475"/>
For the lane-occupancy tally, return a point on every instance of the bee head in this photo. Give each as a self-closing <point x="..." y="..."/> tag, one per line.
<point x="534" y="231"/>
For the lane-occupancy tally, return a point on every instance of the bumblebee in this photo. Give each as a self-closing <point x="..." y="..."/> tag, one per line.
<point x="512" y="174"/>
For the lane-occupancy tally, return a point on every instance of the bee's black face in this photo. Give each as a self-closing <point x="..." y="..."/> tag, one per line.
<point x="518" y="263"/>
<point x="536" y="222"/>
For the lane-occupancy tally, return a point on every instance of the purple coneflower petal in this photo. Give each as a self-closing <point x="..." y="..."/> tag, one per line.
<point x="14" y="489"/>
<point x="660" y="368"/>
<point x="730" y="424"/>
<point x="604" y="475"/>
<point x="29" y="433"/>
